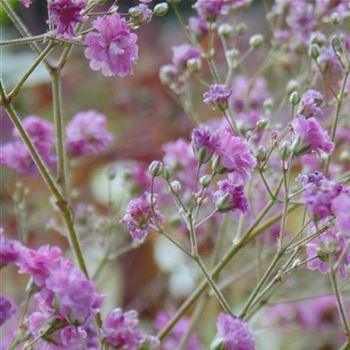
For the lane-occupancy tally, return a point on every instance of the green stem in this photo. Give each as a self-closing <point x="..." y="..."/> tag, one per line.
<point x="59" y="128"/>
<point x="30" y="70"/>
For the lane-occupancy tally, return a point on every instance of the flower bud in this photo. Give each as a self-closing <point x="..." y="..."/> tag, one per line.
<point x="292" y="85"/>
<point x="268" y="104"/>
<point x="241" y="28"/>
<point x="156" y="168"/>
<point x="218" y="344"/>
<point x="335" y="18"/>
<point x="345" y="156"/>
<point x="223" y="203"/>
<point x="286" y="149"/>
<point x="194" y="65"/>
<point x="233" y="57"/>
<point x="176" y="186"/>
<point x="217" y="166"/>
<point x="314" y="51"/>
<point x="205" y="180"/>
<point x="261" y="154"/>
<point x="135" y="12"/>
<point x="256" y="41"/>
<point x="261" y="124"/>
<point x="161" y="9"/>
<point x="337" y="44"/>
<point x="167" y="74"/>
<point x="294" y="98"/>
<point x="225" y="30"/>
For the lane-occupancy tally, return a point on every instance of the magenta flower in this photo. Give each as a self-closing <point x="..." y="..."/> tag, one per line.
<point x="318" y="198"/>
<point x="177" y="332"/>
<point x="231" y="197"/>
<point x="217" y="95"/>
<point x="235" y="155"/>
<point x="139" y="217"/>
<point x="15" y="154"/>
<point x="234" y="333"/>
<point x="72" y="337"/>
<point x="76" y="294"/>
<point x="40" y="262"/>
<point x="209" y="9"/>
<point x="7" y="309"/>
<point x="321" y="247"/>
<point x="341" y="209"/>
<point x="87" y="133"/>
<point x="113" y="49"/>
<point x="198" y="27"/>
<point x="10" y="251"/>
<point x="316" y="178"/>
<point x="182" y="54"/>
<point x="309" y="104"/>
<point x="65" y="15"/>
<point x="204" y="142"/>
<point x="312" y="136"/>
<point x="122" y="329"/>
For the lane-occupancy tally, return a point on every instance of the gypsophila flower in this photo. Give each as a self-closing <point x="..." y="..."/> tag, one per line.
<point x="72" y="337"/>
<point x="87" y="133"/>
<point x="217" y="95"/>
<point x="139" y="217"/>
<point x="182" y="54"/>
<point x="309" y="104"/>
<point x="234" y="333"/>
<point x="316" y="178"/>
<point x="140" y="14"/>
<point x="235" y="155"/>
<point x="198" y="27"/>
<point x="113" y="48"/>
<point x="341" y="209"/>
<point x="122" y="329"/>
<point x="209" y="9"/>
<point x="231" y="197"/>
<point x="65" y="15"/>
<point x="10" y="251"/>
<point x="7" y="309"/>
<point x="322" y="247"/>
<point x="205" y="142"/>
<point x="312" y="136"/>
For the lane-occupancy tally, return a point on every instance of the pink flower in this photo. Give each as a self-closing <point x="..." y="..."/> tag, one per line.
<point x="10" y="251"/>
<point x="7" y="309"/>
<point x="198" y="27"/>
<point x="122" y="329"/>
<point x="217" y="95"/>
<point x="341" y="209"/>
<point x="204" y="142"/>
<point x="312" y="136"/>
<point x="310" y="102"/>
<point x="182" y="54"/>
<point x="72" y="336"/>
<point x="87" y="133"/>
<point x="234" y="333"/>
<point x="40" y="262"/>
<point x="231" y="197"/>
<point x="113" y="48"/>
<point x="320" y="249"/>
<point x="235" y="155"/>
<point x="139" y="217"/>
<point x="65" y="15"/>
<point x="209" y="9"/>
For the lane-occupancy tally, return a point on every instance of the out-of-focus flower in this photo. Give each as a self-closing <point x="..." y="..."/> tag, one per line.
<point x="182" y="54"/>
<point x="10" y="251"/>
<point x="7" y="309"/>
<point x="198" y="27"/>
<point x="341" y="208"/>
<point x="65" y="15"/>
<point x="234" y="334"/>
<point x="72" y="337"/>
<point x="217" y="95"/>
<point x="235" y="155"/>
<point x="321" y="247"/>
<point x="139" y="217"/>
<point x="140" y="14"/>
<point x="209" y="9"/>
<point x="113" y="48"/>
<point x="309" y="104"/>
<point x="312" y="136"/>
<point x="87" y="133"/>
<point x="231" y="197"/>
<point x="178" y="331"/>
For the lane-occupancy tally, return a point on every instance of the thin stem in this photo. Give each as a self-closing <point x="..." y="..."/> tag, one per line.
<point x="59" y="129"/>
<point x="30" y="70"/>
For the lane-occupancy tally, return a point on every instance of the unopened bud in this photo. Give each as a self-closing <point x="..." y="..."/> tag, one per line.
<point x="314" y="51"/>
<point x="205" y="180"/>
<point x="292" y="85"/>
<point x="225" y="30"/>
<point x="135" y="12"/>
<point x="345" y="156"/>
<point x="223" y="203"/>
<point x="194" y="65"/>
<point x="337" y="44"/>
<point x="161" y="9"/>
<point x="217" y="166"/>
<point x="335" y="18"/>
<point x="294" y="98"/>
<point x="167" y="173"/>
<point x="241" y="28"/>
<point x="233" y="57"/>
<point x="176" y="186"/>
<point x="261" y="153"/>
<point x="256" y="41"/>
<point x="285" y="150"/>
<point x="156" y="168"/>
<point x="268" y="104"/>
<point x="261" y="124"/>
